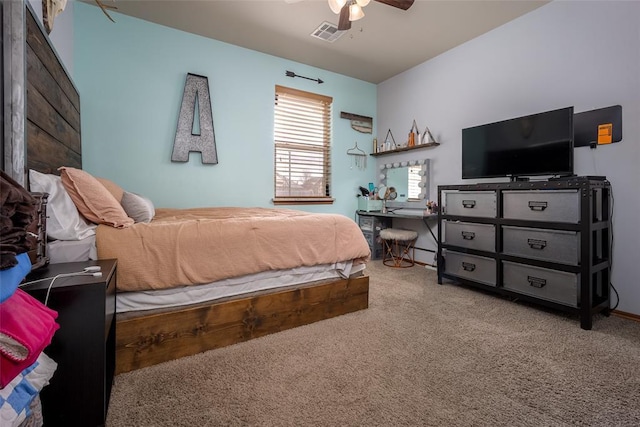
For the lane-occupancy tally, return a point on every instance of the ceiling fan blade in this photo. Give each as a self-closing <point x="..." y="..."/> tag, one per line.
<point x="344" y="23"/>
<point x="400" y="4"/>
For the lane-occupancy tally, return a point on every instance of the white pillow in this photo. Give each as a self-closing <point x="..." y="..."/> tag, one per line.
<point x="64" y="222"/>
<point x="138" y="207"/>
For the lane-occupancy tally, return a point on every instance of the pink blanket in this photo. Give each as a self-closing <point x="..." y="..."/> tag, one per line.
<point x="26" y="328"/>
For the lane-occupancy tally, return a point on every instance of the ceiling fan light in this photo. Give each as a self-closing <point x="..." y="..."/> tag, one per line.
<point x="336" y="5"/>
<point x="355" y="12"/>
<point x="363" y="3"/>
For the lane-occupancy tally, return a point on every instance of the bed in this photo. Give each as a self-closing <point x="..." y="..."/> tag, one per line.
<point x="190" y="280"/>
<point x="252" y="295"/>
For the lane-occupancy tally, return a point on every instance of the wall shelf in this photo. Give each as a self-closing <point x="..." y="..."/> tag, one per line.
<point x="400" y="150"/>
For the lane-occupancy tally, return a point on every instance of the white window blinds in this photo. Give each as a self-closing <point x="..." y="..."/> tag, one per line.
<point x="302" y="136"/>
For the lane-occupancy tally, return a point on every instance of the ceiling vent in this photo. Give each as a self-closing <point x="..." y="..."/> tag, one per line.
<point x="327" y="32"/>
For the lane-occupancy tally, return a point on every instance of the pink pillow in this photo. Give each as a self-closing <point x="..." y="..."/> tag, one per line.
<point x="113" y="188"/>
<point x="92" y="198"/>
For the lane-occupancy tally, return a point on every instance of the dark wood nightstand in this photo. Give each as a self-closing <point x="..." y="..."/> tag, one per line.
<point x="84" y="346"/>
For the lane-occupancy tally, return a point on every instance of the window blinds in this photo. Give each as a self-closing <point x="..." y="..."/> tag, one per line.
<point x="302" y="135"/>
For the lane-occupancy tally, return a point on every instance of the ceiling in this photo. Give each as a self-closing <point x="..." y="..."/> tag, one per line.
<point x="386" y="42"/>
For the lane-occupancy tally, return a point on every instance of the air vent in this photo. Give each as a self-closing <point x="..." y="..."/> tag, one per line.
<point x="327" y="32"/>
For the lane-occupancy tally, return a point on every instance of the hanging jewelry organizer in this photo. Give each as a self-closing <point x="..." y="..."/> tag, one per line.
<point x="359" y="157"/>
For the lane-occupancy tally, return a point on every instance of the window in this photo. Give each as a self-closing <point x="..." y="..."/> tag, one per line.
<point x="302" y="137"/>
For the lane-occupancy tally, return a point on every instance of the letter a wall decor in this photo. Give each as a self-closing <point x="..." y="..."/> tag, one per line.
<point x="195" y="98"/>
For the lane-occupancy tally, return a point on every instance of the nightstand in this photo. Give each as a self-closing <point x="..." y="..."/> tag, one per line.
<point x="83" y="347"/>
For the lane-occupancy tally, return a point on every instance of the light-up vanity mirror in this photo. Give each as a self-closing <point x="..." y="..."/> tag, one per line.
<point x="410" y="180"/>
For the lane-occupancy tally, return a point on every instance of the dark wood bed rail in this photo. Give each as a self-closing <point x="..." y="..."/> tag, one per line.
<point x="154" y="338"/>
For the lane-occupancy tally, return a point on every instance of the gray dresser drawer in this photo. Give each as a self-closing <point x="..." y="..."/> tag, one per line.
<point x="470" y="235"/>
<point x="542" y="205"/>
<point x="471" y="203"/>
<point x="472" y="267"/>
<point x="548" y="245"/>
<point x="543" y="283"/>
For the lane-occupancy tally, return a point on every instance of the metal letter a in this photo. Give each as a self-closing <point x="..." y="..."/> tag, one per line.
<point x="196" y="89"/>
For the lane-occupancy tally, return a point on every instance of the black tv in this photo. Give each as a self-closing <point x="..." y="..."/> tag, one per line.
<point x="538" y="144"/>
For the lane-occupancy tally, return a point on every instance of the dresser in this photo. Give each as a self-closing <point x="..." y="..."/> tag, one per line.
<point x="547" y="242"/>
<point x="84" y="346"/>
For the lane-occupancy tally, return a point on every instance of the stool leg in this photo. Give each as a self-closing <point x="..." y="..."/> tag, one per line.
<point x="387" y="254"/>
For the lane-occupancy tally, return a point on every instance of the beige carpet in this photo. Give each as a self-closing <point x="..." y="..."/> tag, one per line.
<point x="421" y="354"/>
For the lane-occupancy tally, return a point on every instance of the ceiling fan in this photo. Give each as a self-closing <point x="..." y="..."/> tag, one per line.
<point x="351" y="10"/>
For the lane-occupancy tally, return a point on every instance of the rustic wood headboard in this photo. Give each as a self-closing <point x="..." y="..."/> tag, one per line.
<point x="53" y="106"/>
<point x="48" y="113"/>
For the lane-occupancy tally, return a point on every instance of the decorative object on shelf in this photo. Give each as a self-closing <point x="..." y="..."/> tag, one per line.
<point x="432" y="207"/>
<point x="292" y="74"/>
<point x="360" y="123"/>
<point x="389" y="144"/>
<point x="360" y="157"/>
<point x="414" y="134"/>
<point x="427" y="137"/>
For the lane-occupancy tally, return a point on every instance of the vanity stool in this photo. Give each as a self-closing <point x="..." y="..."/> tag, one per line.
<point x="398" y="247"/>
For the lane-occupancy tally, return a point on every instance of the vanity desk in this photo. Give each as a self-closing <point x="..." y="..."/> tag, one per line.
<point x="402" y="213"/>
<point x="407" y="184"/>
<point x="371" y="222"/>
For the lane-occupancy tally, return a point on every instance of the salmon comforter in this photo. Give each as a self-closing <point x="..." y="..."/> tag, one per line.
<point x="202" y="245"/>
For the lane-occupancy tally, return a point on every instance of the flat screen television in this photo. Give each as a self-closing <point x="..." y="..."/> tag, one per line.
<point x="538" y="144"/>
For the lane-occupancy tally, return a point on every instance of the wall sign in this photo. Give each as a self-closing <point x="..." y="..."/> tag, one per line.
<point x="360" y="123"/>
<point x="192" y="135"/>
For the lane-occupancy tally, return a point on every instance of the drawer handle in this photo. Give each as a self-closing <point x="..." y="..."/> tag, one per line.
<point x="468" y="235"/>
<point x="469" y="204"/>
<point x="537" y="243"/>
<point x="537" y="206"/>
<point x="536" y="282"/>
<point x="467" y="266"/>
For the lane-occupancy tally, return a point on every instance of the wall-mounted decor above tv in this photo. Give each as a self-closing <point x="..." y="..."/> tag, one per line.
<point x="538" y="144"/>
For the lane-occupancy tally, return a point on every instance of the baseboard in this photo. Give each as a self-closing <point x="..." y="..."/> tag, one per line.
<point x="427" y="265"/>
<point x="626" y="315"/>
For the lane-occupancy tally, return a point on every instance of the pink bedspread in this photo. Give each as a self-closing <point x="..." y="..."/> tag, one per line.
<point x="202" y="245"/>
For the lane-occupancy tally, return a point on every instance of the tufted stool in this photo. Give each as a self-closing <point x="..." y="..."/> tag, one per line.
<point x="398" y="247"/>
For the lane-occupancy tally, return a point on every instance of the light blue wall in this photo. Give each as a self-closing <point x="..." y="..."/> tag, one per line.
<point x="131" y="78"/>
<point x="585" y="54"/>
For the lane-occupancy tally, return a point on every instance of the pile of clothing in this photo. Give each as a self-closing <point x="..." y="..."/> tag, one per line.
<point x="26" y="325"/>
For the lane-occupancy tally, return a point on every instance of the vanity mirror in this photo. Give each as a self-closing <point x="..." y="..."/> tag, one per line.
<point x="411" y="181"/>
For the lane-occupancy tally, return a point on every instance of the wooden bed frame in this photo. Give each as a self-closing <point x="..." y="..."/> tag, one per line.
<point x="158" y="337"/>
<point x="53" y="140"/>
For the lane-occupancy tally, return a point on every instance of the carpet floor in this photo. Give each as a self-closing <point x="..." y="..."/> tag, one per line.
<point x="421" y="355"/>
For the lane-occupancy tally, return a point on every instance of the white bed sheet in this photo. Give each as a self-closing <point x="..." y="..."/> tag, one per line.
<point x="72" y="250"/>
<point x="185" y="295"/>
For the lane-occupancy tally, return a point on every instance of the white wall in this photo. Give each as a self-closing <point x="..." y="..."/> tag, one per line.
<point x="585" y="54"/>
